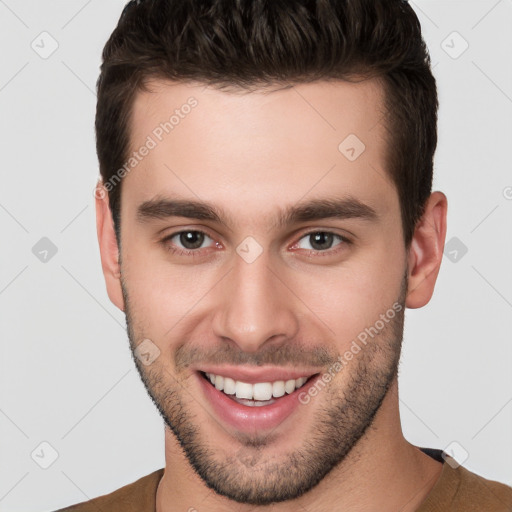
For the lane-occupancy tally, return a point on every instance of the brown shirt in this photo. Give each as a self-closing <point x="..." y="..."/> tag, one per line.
<point x="456" y="490"/>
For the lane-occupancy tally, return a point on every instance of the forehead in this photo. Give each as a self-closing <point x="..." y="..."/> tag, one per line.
<point x="238" y="147"/>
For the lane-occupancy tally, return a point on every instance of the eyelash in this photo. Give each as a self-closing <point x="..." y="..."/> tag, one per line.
<point x="196" y="252"/>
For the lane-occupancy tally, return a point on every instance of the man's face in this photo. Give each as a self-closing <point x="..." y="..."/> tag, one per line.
<point x="255" y="290"/>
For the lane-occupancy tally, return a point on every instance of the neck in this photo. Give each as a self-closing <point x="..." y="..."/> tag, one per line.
<point x="382" y="472"/>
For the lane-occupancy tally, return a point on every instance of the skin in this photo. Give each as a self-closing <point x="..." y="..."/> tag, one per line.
<point x="253" y="155"/>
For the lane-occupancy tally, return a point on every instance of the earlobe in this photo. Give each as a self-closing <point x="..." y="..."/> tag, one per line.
<point x="109" y="250"/>
<point x="426" y="251"/>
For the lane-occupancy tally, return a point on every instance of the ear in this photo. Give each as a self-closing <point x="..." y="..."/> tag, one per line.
<point x="426" y="251"/>
<point x="109" y="251"/>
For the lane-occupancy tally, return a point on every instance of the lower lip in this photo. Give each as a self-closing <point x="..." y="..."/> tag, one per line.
<point x="251" y="419"/>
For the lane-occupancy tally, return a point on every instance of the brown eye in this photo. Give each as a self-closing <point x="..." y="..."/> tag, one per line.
<point x="186" y="242"/>
<point x="191" y="239"/>
<point x="320" y="241"/>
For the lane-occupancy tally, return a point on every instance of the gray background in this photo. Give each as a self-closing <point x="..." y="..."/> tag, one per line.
<point x="66" y="375"/>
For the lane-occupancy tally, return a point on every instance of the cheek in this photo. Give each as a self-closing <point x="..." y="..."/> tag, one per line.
<point x="162" y="294"/>
<point x="353" y="297"/>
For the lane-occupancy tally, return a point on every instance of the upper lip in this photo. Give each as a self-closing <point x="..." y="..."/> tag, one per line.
<point x="252" y="375"/>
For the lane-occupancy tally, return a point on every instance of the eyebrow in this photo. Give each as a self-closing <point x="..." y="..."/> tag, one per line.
<point x="313" y="210"/>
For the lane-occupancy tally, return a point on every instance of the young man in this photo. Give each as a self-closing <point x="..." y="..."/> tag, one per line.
<point x="265" y="216"/>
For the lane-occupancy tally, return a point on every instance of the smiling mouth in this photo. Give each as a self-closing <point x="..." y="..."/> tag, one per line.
<point x="258" y="394"/>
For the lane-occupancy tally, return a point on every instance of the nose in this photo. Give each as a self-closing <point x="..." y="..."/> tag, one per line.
<point x="256" y="307"/>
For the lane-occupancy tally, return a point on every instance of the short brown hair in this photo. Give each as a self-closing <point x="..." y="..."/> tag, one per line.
<point x="251" y="43"/>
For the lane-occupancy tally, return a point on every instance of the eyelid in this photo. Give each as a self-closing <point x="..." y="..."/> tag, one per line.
<point x="325" y="230"/>
<point x="187" y="229"/>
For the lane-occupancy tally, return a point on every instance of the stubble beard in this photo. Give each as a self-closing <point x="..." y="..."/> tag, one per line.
<point x="253" y="475"/>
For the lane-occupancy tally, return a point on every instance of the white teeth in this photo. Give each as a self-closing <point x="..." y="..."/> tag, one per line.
<point x="263" y="391"/>
<point x="243" y="390"/>
<point x="253" y="403"/>
<point x="300" y="382"/>
<point x="278" y="388"/>
<point x="289" y="386"/>
<point x="229" y="386"/>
